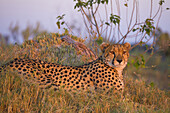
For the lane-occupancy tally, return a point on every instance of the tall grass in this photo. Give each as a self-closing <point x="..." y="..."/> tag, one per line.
<point x="17" y="95"/>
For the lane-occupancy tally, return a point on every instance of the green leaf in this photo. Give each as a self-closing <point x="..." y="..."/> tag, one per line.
<point x="152" y="84"/>
<point x="98" y="1"/>
<point x="58" y="24"/>
<point x="148" y="31"/>
<point x="141" y="43"/>
<point x="132" y="61"/>
<point x="146" y="46"/>
<point x="62" y="23"/>
<point x="107" y="1"/>
<point x="99" y="40"/>
<point x="66" y="31"/>
<point x="137" y="64"/>
<point x="143" y="61"/>
<point x="126" y="5"/>
<point x="135" y="29"/>
<point x="59" y="19"/>
<point x="102" y="2"/>
<point x="107" y="23"/>
<point x="115" y="19"/>
<point x="161" y="2"/>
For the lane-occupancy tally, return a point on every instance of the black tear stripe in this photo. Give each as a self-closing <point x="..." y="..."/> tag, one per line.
<point x="113" y="58"/>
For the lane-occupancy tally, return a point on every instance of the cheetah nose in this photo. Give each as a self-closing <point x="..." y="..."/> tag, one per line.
<point x="119" y="60"/>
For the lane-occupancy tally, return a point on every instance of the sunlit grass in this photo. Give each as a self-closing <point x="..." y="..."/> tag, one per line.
<point x="18" y="95"/>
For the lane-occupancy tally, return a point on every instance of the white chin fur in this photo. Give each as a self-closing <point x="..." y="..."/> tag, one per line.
<point x="122" y="65"/>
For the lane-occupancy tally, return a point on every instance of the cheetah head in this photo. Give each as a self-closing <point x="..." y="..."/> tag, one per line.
<point x="115" y="55"/>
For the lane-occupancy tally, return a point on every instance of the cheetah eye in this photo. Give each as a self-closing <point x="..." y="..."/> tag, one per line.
<point x="112" y="52"/>
<point x="124" y="52"/>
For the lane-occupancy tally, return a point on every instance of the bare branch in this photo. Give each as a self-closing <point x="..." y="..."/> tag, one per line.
<point x="151" y="8"/>
<point x="94" y="18"/>
<point x="134" y="1"/>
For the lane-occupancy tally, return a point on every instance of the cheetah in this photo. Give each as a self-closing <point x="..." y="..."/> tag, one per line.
<point x="103" y="73"/>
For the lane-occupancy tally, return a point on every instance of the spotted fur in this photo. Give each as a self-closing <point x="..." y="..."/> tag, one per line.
<point x="104" y="73"/>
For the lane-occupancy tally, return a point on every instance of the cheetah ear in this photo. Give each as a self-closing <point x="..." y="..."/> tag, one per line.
<point x="103" y="46"/>
<point x="127" y="45"/>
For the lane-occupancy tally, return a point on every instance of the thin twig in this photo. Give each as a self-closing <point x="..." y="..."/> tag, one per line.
<point x="151" y="8"/>
<point x="157" y="25"/>
<point x="86" y="25"/>
<point x="94" y="18"/>
<point x="87" y="16"/>
<point x="107" y="38"/>
<point x="134" y="1"/>
<point x="127" y="33"/>
<point x="96" y="9"/>
<point x="118" y="9"/>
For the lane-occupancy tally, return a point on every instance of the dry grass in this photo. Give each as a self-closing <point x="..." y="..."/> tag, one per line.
<point x="19" y="96"/>
<point x="16" y="95"/>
